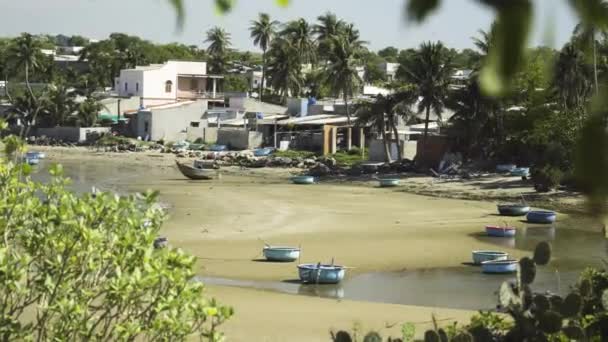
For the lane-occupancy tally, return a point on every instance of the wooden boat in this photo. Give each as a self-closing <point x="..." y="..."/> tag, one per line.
<point x="388" y="182"/>
<point x="194" y="173"/>
<point x="501" y="231"/>
<point x="503" y="168"/>
<point x="499" y="266"/>
<point x="541" y="216"/>
<point x="262" y="152"/>
<point x="303" y="180"/>
<point x="520" y="172"/>
<point x="218" y="148"/>
<point x="513" y="209"/>
<point x="482" y="256"/>
<point x="320" y="273"/>
<point x="282" y="254"/>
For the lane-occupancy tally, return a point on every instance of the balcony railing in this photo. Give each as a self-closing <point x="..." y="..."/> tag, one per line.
<point x="202" y="95"/>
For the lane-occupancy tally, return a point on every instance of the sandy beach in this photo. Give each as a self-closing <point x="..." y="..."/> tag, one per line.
<point x="226" y="222"/>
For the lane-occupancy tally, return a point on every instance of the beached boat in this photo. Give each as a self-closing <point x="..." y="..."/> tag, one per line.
<point x="194" y="173"/>
<point x="262" y="152"/>
<point x="218" y="148"/>
<point x="513" y="209"/>
<point x="388" y="182"/>
<point x="32" y="161"/>
<point x="482" y="256"/>
<point x="500" y="231"/>
<point x="503" y="168"/>
<point x="36" y="155"/>
<point x="303" y="180"/>
<point x="321" y="274"/>
<point x="520" y="172"/>
<point x="499" y="266"/>
<point x="283" y="254"/>
<point x="541" y="216"/>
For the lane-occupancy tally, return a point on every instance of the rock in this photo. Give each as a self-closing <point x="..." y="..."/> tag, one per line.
<point x="329" y="161"/>
<point x="281" y="162"/>
<point x="181" y="155"/>
<point x="309" y="162"/>
<point x="319" y="170"/>
<point x="301" y="165"/>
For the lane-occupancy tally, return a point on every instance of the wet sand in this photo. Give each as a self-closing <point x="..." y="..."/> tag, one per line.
<point x="226" y="222"/>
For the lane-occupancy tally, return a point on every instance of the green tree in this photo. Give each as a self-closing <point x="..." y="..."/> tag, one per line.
<point x="83" y="267"/>
<point x="285" y="68"/>
<point x="573" y="78"/>
<point x="299" y="32"/>
<point x="585" y="35"/>
<point x="341" y="71"/>
<point x="58" y="104"/>
<point x="88" y="112"/>
<point x="263" y="32"/>
<point x="389" y="54"/>
<point x="219" y="45"/>
<point x="236" y="83"/>
<point x="429" y="71"/>
<point x="328" y="27"/>
<point x="25" y="53"/>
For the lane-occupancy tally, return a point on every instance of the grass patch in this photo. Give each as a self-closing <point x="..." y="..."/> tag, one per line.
<point x="294" y="154"/>
<point x="350" y="158"/>
<point x="111" y="140"/>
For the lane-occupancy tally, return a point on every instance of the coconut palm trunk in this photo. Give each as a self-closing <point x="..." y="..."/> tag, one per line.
<point x="346" y="107"/>
<point x="594" y="62"/>
<point x="263" y="74"/>
<point x="397" y="140"/>
<point x="387" y="151"/>
<point x="426" y="126"/>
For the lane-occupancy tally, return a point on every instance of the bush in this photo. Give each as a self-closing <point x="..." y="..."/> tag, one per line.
<point x="113" y="140"/>
<point x="546" y="178"/>
<point x="294" y="154"/>
<point x="199" y="141"/>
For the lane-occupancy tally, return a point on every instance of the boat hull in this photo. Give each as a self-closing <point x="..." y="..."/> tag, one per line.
<point x="194" y="173"/>
<point x="388" y="183"/>
<point x="521" y="172"/>
<point x="499" y="267"/>
<point x="218" y="148"/>
<point x="482" y="256"/>
<point x="281" y="254"/>
<point x="321" y="274"/>
<point x="503" y="168"/>
<point x="32" y="161"/>
<point x="35" y="155"/>
<point x="539" y="216"/>
<point x="303" y="180"/>
<point x="500" y="231"/>
<point x="513" y="209"/>
<point x="262" y="152"/>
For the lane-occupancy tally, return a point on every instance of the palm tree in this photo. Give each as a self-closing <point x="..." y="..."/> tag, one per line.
<point x="341" y="72"/>
<point x="429" y="71"/>
<point x="373" y="113"/>
<point x="263" y="31"/>
<point x="572" y="80"/>
<point x="285" y="68"/>
<point x="219" y="41"/>
<point x="58" y="105"/>
<point x="328" y="27"/>
<point x="219" y="45"/>
<point x="584" y="35"/>
<point x="88" y="111"/>
<point x="299" y="33"/>
<point x="484" y="44"/>
<point x="25" y="53"/>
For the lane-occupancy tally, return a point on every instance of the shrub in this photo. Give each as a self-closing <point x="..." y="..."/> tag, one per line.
<point x="546" y="178"/>
<point x="199" y="141"/>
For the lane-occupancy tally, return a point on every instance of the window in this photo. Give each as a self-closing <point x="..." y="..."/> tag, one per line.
<point x="137" y="86"/>
<point x="194" y="124"/>
<point x="193" y="84"/>
<point x="126" y="86"/>
<point x="168" y="86"/>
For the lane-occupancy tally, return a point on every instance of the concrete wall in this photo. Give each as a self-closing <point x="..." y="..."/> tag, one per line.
<point x="208" y="134"/>
<point x="126" y="105"/>
<point x="376" y="150"/>
<point x="189" y="68"/>
<point x="297" y="107"/>
<point x="239" y="139"/>
<point x="71" y="134"/>
<point x="170" y="123"/>
<point x="130" y="83"/>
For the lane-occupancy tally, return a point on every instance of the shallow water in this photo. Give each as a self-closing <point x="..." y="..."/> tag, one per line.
<point x="462" y="286"/>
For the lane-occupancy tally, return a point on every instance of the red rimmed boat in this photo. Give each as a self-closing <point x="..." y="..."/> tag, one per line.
<point x="504" y="231"/>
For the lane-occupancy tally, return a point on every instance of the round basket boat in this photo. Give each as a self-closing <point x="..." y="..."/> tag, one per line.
<point x="281" y="254"/>
<point x="497" y="231"/>
<point x="262" y="152"/>
<point x="32" y="161"/>
<point x="499" y="266"/>
<point x="303" y="180"/>
<point x="321" y="274"/>
<point x="513" y="209"/>
<point x="388" y="182"/>
<point x="541" y="216"/>
<point x="504" y="168"/>
<point x="482" y="256"/>
<point x="520" y="172"/>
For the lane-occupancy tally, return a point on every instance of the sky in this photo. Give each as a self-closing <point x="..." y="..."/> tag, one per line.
<point x="381" y="22"/>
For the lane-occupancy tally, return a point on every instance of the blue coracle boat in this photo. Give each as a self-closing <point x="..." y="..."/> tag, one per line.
<point x="303" y="180"/>
<point x="499" y="266"/>
<point x="521" y="172"/>
<point x="321" y="274"/>
<point x="262" y="152"/>
<point x="482" y="256"/>
<point x="35" y="155"/>
<point x="505" y="167"/>
<point x="283" y="254"/>
<point x="388" y="182"/>
<point x="218" y="148"/>
<point x="32" y="161"/>
<point x="501" y="231"/>
<point x="513" y="209"/>
<point x="541" y="216"/>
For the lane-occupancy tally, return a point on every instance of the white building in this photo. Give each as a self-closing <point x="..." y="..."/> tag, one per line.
<point x="389" y="70"/>
<point x="170" y="82"/>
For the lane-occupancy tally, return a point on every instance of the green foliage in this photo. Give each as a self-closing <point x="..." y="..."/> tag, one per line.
<point x="236" y="83"/>
<point x="347" y="159"/>
<point x="546" y="178"/>
<point x="83" y="267"/>
<point x="408" y="331"/>
<point x="114" y="140"/>
<point x="293" y="154"/>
